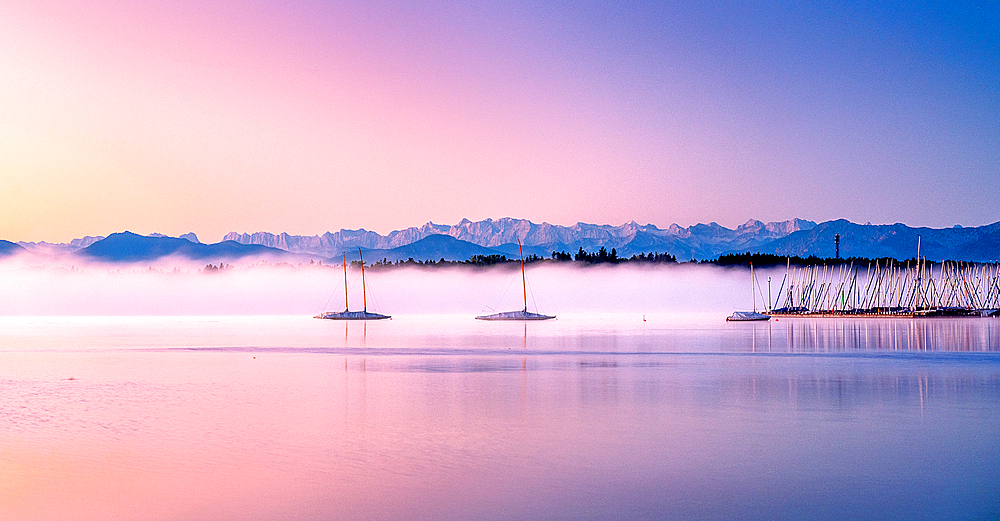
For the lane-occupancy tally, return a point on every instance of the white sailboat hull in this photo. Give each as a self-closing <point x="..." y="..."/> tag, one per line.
<point x="746" y="316"/>
<point x="523" y="314"/>
<point x="515" y="315"/>
<point x="351" y="315"/>
<point x="347" y="314"/>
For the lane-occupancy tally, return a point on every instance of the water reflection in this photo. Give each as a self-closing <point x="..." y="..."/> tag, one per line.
<point x="623" y="335"/>
<point x="818" y="335"/>
<point x="863" y="389"/>
<point x="461" y="335"/>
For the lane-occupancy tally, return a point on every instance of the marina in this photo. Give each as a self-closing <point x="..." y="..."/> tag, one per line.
<point x="887" y="289"/>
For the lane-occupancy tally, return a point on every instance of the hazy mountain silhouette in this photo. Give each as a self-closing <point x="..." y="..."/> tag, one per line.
<point x="700" y="241"/>
<point x="131" y="247"/>
<point x="433" y="247"/>
<point x="490" y="237"/>
<point x="10" y="248"/>
<point x="979" y="244"/>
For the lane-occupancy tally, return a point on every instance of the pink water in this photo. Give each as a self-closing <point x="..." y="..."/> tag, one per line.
<point x="445" y="417"/>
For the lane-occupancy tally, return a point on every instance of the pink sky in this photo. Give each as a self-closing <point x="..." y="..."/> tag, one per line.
<point x="309" y="116"/>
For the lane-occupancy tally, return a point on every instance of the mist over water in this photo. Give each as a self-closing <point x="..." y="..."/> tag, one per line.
<point x="613" y="309"/>
<point x="176" y="288"/>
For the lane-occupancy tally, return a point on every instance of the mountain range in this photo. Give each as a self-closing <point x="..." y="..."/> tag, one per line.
<point x="490" y="237"/>
<point x="10" y="248"/>
<point x="978" y="244"/>
<point x="701" y="241"/>
<point x="131" y="247"/>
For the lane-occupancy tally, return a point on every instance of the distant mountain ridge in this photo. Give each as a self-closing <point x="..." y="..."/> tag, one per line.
<point x="433" y="247"/>
<point x="699" y="241"/>
<point x="10" y="248"/>
<point x="130" y="247"/>
<point x="83" y="242"/>
<point x="490" y="237"/>
<point x="52" y="248"/>
<point x="974" y="244"/>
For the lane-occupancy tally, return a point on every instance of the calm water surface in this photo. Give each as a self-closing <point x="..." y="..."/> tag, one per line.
<point x="445" y="417"/>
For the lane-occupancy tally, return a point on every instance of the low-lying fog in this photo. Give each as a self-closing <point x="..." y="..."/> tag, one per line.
<point x="174" y="288"/>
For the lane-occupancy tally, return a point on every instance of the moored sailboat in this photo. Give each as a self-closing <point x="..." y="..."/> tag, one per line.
<point x="347" y="314"/>
<point x="522" y="314"/>
<point x="746" y="316"/>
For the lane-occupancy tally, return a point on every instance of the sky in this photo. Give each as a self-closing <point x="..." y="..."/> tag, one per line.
<point x="307" y="116"/>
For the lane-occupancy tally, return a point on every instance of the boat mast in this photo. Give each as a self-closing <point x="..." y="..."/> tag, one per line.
<point x="919" y="268"/>
<point x="752" y="294"/>
<point x="524" y="283"/>
<point x="347" y="305"/>
<point x="364" y="295"/>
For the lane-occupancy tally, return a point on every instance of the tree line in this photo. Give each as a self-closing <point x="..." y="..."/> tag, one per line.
<point x="767" y="260"/>
<point x="604" y="256"/>
<point x="601" y="256"/>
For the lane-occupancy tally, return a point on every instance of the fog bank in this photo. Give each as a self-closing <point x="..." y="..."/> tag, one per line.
<point x="263" y="289"/>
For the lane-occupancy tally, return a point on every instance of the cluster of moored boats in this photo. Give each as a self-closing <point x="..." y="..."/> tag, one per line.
<point x="893" y="289"/>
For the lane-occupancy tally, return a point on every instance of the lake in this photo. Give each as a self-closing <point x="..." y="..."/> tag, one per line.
<point x="662" y="416"/>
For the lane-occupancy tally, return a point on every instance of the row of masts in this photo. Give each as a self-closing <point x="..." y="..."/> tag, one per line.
<point x="889" y="287"/>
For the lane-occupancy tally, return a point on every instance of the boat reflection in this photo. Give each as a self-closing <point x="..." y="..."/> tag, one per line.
<point x="933" y="334"/>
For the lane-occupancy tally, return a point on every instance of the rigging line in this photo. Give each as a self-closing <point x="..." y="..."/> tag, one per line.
<point x="377" y="306"/>
<point x="356" y="280"/>
<point x="510" y="281"/>
<point x="532" y="293"/>
<point x="780" y="289"/>
<point x="364" y="292"/>
<point x="325" y="306"/>
<point x="367" y="287"/>
<point x="759" y="292"/>
<point x="327" y="302"/>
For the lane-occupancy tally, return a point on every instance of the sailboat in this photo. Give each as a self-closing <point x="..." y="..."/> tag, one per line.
<point x="523" y="314"/>
<point x="746" y="316"/>
<point x="347" y="314"/>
